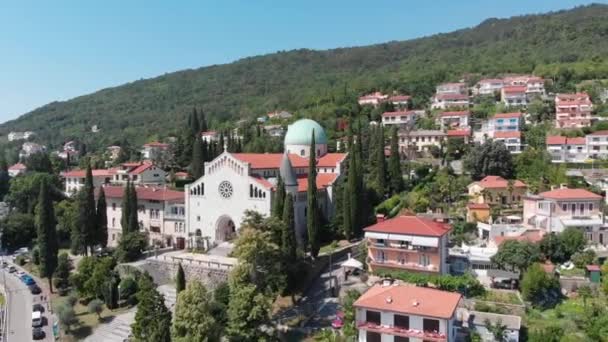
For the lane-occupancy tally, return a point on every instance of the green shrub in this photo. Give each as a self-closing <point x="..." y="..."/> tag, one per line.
<point x="465" y="284"/>
<point x="128" y="289"/>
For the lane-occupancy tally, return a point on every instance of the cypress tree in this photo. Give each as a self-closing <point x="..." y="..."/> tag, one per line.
<point x="47" y="234"/>
<point x="221" y="143"/>
<point x="87" y="216"/>
<point x="152" y="320"/>
<point x="288" y="235"/>
<point x="133" y="222"/>
<point x="360" y="190"/>
<point x="380" y="163"/>
<point x="125" y="208"/>
<point x="180" y="279"/>
<point x="312" y="220"/>
<point x="194" y="124"/>
<point x="77" y="242"/>
<point x="347" y="227"/>
<point x="203" y="122"/>
<point x="352" y="186"/>
<point x="394" y="165"/>
<point x="196" y="167"/>
<point x="279" y="200"/>
<point x="102" y="219"/>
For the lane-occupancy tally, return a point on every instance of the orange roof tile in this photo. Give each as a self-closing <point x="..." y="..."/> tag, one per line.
<point x="18" y="166"/>
<point x="331" y="159"/>
<point x="410" y="300"/>
<point x="146" y="193"/>
<point x="507" y="115"/>
<point x="156" y="144"/>
<point x="559" y="194"/>
<point x="459" y="113"/>
<point x="323" y="180"/>
<point x="514" y="89"/>
<point x="96" y="173"/>
<point x="497" y="182"/>
<point x="263" y="182"/>
<point x="478" y="206"/>
<point x="507" y="134"/>
<point x="411" y="225"/>
<point x="269" y="160"/>
<point x="532" y="235"/>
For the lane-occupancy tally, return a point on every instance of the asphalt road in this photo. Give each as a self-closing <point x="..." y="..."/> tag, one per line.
<point x="19" y="305"/>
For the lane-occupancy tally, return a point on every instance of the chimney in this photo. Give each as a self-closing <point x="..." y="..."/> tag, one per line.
<point x="415" y="303"/>
<point x="380" y="218"/>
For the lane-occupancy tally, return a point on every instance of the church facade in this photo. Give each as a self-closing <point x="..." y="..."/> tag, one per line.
<point x="236" y="182"/>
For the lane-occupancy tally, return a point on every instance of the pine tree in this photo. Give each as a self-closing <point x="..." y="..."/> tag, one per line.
<point x="380" y="163"/>
<point x="47" y="234"/>
<point x="394" y="165"/>
<point x="279" y="199"/>
<point x="180" y="279"/>
<point x="196" y="167"/>
<point x="102" y="219"/>
<point x="312" y="219"/>
<point x="288" y="235"/>
<point x="87" y="216"/>
<point x="125" y="208"/>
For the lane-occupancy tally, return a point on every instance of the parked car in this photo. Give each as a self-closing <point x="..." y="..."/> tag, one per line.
<point x="4" y="264"/>
<point x="28" y="280"/>
<point x="36" y="319"/>
<point x="38" y="307"/>
<point x="38" y="333"/>
<point x="35" y="289"/>
<point x="12" y="269"/>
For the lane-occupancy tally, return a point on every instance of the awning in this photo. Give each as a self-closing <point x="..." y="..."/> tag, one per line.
<point x="399" y="237"/>
<point x="376" y="235"/>
<point x="425" y="241"/>
<point x="352" y="263"/>
<point x="582" y="222"/>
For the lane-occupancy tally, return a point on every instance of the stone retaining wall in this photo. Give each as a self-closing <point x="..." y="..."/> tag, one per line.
<point x="163" y="271"/>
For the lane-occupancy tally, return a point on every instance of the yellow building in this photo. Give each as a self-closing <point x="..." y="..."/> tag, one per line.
<point x="495" y="190"/>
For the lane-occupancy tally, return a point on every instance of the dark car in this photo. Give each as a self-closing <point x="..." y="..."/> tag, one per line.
<point x="35" y="289"/>
<point x="38" y="333"/>
<point x="38" y="307"/>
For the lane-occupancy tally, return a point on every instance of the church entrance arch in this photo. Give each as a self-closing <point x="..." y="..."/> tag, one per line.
<point x="225" y="229"/>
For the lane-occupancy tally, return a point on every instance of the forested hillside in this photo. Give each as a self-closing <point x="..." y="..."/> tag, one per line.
<point x="323" y="84"/>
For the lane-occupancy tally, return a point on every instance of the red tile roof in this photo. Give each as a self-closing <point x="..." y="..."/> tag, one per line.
<point x="459" y="132"/>
<point x="269" y="160"/>
<point x="209" y="133"/>
<point x="560" y="194"/>
<point x="507" y="115"/>
<point x="390" y="114"/>
<point x="531" y="235"/>
<point x="592" y="268"/>
<point x="599" y="133"/>
<point x="508" y="134"/>
<point x="398" y="98"/>
<point x="146" y="193"/>
<point x="156" y="144"/>
<point x="18" y="166"/>
<point x="141" y="168"/>
<point x="262" y="181"/>
<point x="323" y="180"/>
<point x="410" y="300"/>
<point x="410" y="225"/>
<point x="478" y="206"/>
<point x="331" y="159"/>
<point x="559" y="140"/>
<point x="96" y="173"/>
<point x="490" y="80"/>
<point x="497" y="182"/>
<point x="576" y="141"/>
<point x="514" y="89"/>
<point x="460" y="113"/>
<point x="452" y="97"/>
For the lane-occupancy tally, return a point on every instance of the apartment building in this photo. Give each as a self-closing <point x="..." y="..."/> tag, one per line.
<point x="29" y="148"/>
<point x="373" y="99"/>
<point x="400" y="101"/>
<point x="398" y="312"/>
<point x="578" y="149"/>
<point x="573" y="110"/>
<point x="511" y="139"/>
<point x="558" y="209"/>
<point x="495" y="190"/>
<point x="514" y="95"/>
<point x="535" y="86"/>
<point x="13" y="136"/>
<point x="154" y="150"/>
<point x="421" y="140"/>
<point x="161" y="214"/>
<point x="450" y="100"/>
<point x="401" y="118"/>
<point x="488" y="86"/>
<point x="408" y="243"/>
<point x="451" y="88"/>
<point x="454" y="120"/>
<point x="502" y="122"/>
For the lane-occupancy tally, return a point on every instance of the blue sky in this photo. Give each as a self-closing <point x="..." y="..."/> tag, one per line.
<point x="56" y="50"/>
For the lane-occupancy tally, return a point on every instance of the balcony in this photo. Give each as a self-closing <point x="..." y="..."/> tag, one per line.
<point x="405" y="265"/>
<point x="396" y="331"/>
<point x="398" y="247"/>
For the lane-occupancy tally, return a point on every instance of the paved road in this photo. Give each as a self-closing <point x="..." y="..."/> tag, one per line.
<point x="19" y="305"/>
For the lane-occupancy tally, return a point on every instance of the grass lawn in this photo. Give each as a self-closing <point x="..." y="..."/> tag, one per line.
<point x="575" y="272"/>
<point x="87" y="322"/>
<point x="506" y="297"/>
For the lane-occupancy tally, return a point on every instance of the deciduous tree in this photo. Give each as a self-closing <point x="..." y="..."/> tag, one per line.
<point x="152" y="319"/>
<point x="194" y="319"/>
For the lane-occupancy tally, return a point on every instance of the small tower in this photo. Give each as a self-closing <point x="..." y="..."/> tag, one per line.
<point x="288" y="175"/>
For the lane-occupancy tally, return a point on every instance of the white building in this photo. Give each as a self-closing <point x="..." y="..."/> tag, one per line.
<point x="488" y="86"/>
<point x="29" y="148"/>
<point x="451" y="88"/>
<point x="12" y="136"/>
<point x="514" y="95"/>
<point x="274" y="130"/>
<point x="511" y="139"/>
<point x="454" y="120"/>
<point x="154" y="150"/>
<point x="450" y="100"/>
<point x="506" y="122"/>
<point x="17" y="169"/>
<point x="420" y="140"/>
<point x="236" y="182"/>
<point x="210" y="136"/>
<point x="401" y="118"/>
<point x="578" y="149"/>
<point x="279" y="114"/>
<point x="400" y="101"/>
<point x="534" y="85"/>
<point x="161" y="214"/>
<point x="394" y="312"/>
<point x="373" y="99"/>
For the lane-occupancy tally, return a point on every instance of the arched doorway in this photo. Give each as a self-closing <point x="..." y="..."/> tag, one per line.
<point x="225" y="229"/>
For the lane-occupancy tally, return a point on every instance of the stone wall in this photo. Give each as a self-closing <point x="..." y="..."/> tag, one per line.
<point x="163" y="271"/>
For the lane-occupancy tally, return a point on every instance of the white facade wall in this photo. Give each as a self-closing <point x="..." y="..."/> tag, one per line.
<point x="416" y="323"/>
<point x="75" y="184"/>
<point x="304" y="150"/>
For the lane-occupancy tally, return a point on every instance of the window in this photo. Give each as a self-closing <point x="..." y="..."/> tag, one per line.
<point x="590" y="206"/>
<point x="402" y="321"/>
<point x="113" y="206"/>
<point x="564" y="207"/>
<point x="113" y="222"/>
<point x="430" y="325"/>
<point x="113" y="237"/>
<point x="372" y="316"/>
<point x="424" y="260"/>
<point x="301" y="152"/>
<point x="198" y="219"/>
<point x="401" y="339"/>
<point x="373" y="337"/>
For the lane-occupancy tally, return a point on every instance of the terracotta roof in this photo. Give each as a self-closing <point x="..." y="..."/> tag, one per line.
<point x="459" y="132"/>
<point x="146" y="193"/>
<point x="407" y="112"/>
<point x="569" y="194"/>
<point x="141" y="168"/>
<point x="507" y="115"/>
<point x="323" y="180"/>
<point x="478" y="206"/>
<point x="531" y="235"/>
<point x="592" y="268"/>
<point x="459" y="113"/>
<point x="181" y="174"/>
<point x="599" y="133"/>
<point x="559" y="140"/>
<point x="507" y="134"/>
<point x="449" y="84"/>
<point x="572" y="97"/>
<point x="410" y="300"/>
<point x="410" y="225"/>
<point x="331" y="159"/>
<point x="208" y="133"/>
<point x="399" y="98"/>
<point x="96" y="173"/>
<point x="514" y="89"/>
<point x="452" y="97"/>
<point x="156" y="144"/>
<point x="269" y="160"/>
<point x="263" y="182"/>
<point x="576" y="141"/>
<point x="497" y="182"/>
<point x="18" y="166"/>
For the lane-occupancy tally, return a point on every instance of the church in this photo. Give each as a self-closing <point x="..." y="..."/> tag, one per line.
<point x="236" y="182"/>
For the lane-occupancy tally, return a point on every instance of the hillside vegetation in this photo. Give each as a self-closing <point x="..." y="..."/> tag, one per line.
<point x="323" y="84"/>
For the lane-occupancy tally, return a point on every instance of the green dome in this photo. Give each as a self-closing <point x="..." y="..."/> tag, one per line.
<point x="300" y="133"/>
